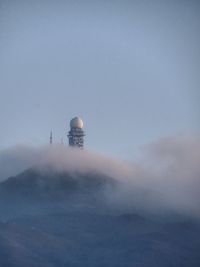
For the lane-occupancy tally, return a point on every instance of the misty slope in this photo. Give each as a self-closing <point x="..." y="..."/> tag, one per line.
<point x="63" y="219"/>
<point x="35" y="183"/>
<point x="35" y="191"/>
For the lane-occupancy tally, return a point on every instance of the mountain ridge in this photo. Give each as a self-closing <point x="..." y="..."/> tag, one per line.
<point x="58" y="219"/>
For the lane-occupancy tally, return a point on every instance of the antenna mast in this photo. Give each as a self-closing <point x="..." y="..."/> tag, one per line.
<point x="51" y="138"/>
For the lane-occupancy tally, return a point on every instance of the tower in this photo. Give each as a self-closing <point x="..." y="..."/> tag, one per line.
<point x="76" y="133"/>
<point x="51" y="138"/>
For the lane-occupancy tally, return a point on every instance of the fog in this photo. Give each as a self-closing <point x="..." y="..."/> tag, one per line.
<point x="164" y="178"/>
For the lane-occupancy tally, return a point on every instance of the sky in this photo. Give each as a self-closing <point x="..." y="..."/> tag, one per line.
<point x="129" y="69"/>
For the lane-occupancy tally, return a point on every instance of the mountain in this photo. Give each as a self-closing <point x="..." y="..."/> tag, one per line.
<point x="48" y="181"/>
<point x="57" y="219"/>
<point x="43" y="191"/>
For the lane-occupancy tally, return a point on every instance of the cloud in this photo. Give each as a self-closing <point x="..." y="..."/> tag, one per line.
<point x="16" y="159"/>
<point x="165" y="180"/>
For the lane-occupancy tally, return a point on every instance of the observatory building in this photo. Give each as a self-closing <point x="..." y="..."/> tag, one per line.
<point x="76" y="133"/>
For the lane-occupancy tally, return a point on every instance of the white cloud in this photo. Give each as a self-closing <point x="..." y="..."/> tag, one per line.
<point x="167" y="178"/>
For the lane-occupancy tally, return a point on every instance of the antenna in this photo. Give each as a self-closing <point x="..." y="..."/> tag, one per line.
<point x="51" y="138"/>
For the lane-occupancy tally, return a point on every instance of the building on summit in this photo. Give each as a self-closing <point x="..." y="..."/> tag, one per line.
<point x="76" y="133"/>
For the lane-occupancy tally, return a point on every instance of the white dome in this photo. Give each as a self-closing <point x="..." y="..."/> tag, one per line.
<point x="76" y="123"/>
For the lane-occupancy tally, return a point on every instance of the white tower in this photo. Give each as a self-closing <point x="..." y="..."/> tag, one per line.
<point x="76" y="133"/>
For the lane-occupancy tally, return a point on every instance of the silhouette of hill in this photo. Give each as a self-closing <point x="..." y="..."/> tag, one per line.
<point x="54" y="219"/>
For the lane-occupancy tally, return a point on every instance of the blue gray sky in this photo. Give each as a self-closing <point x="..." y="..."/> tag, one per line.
<point x="130" y="69"/>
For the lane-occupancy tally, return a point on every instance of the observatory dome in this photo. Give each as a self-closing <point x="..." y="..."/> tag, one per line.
<point x="76" y="123"/>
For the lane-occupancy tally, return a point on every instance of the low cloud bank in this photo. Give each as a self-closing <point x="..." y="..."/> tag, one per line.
<point x="60" y="158"/>
<point x="165" y="179"/>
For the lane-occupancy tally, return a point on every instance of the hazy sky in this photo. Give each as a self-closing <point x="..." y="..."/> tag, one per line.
<point x="130" y="69"/>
